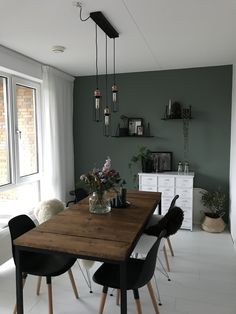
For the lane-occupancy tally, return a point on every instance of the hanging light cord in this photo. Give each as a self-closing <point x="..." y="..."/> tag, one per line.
<point x="106" y="72"/>
<point x="114" y="62"/>
<point x="96" y="44"/>
<point x="80" y="12"/>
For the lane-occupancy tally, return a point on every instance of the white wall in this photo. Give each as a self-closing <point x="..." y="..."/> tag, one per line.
<point x="232" y="180"/>
<point x="18" y="64"/>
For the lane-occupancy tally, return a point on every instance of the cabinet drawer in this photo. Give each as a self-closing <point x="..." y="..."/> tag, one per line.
<point x="184" y="182"/>
<point x="187" y="213"/>
<point x="148" y="180"/>
<point x="166" y="181"/>
<point x="184" y="202"/>
<point x="148" y="188"/>
<point x="187" y="224"/>
<point x="188" y="193"/>
<point x="166" y="192"/>
<point x="166" y="201"/>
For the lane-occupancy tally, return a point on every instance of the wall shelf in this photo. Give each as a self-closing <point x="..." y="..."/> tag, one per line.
<point x="176" y="118"/>
<point x="133" y="136"/>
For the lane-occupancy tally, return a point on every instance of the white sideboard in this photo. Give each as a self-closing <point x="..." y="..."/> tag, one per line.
<point x="170" y="184"/>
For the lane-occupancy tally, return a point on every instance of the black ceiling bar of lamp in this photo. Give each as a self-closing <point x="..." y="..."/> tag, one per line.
<point x="103" y="23"/>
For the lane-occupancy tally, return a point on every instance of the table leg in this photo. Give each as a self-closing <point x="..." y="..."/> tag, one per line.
<point x="19" y="287"/>
<point x="123" y="288"/>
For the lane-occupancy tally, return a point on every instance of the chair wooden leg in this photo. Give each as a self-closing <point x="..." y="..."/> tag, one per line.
<point x="117" y="296"/>
<point x="137" y="302"/>
<point x="50" y="307"/>
<point x="166" y="258"/>
<point x="170" y="246"/>
<point x="23" y="284"/>
<point x="38" y="285"/>
<point x="103" y="300"/>
<point x="154" y="302"/>
<point x="73" y="283"/>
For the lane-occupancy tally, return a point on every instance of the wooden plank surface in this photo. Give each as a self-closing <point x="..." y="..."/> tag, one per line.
<point x="109" y="236"/>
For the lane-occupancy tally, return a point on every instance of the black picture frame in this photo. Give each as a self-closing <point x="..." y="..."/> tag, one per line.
<point x="162" y="161"/>
<point x="133" y="124"/>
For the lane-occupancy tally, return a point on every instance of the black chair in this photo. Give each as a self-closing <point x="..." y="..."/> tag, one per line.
<point x="139" y="274"/>
<point x="172" y="222"/>
<point x="154" y="220"/>
<point x="78" y="194"/>
<point x="38" y="264"/>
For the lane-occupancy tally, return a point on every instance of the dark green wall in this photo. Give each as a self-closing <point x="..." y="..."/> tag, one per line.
<point x="207" y="90"/>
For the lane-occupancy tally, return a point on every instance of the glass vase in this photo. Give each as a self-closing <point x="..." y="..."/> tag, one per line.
<point x="99" y="203"/>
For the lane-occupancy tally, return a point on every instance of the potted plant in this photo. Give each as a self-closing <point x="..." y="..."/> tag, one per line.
<point x="215" y="201"/>
<point x="144" y="157"/>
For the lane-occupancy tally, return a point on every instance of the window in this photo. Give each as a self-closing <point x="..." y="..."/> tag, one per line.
<point x="4" y="130"/>
<point x="19" y="142"/>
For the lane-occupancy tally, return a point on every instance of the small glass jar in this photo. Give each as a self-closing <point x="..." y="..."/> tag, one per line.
<point x="186" y="167"/>
<point x="180" y="167"/>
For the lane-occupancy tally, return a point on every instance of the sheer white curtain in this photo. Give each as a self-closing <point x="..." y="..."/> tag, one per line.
<point x="57" y="134"/>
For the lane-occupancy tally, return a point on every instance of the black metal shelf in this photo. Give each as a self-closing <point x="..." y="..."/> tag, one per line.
<point x="176" y="118"/>
<point x="134" y="136"/>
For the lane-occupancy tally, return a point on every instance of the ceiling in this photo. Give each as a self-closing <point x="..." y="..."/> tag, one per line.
<point x="154" y="34"/>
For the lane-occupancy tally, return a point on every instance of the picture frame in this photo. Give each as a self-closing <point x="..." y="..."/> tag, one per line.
<point x="133" y="124"/>
<point x="162" y="161"/>
<point x="140" y="130"/>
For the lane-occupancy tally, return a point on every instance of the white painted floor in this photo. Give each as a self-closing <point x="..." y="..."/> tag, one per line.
<point x="203" y="274"/>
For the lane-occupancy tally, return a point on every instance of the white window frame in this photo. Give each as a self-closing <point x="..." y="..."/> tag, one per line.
<point x="15" y="179"/>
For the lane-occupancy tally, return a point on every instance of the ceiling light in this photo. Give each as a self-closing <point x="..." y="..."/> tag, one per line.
<point x="58" y="49"/>
<point x="100" y="20"/>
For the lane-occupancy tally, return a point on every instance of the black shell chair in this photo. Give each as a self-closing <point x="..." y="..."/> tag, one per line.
<point x="139" y="274"/>
<point x="154" y="220"/>
<point x="78" y="194"/>
<point x="38" y="264"/>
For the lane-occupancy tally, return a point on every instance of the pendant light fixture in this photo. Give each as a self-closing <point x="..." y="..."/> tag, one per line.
<point x="114" y="88"/>
<point x="97" y="92"/>
<point x="100" y="20"/>
<point x="107" y="122"/>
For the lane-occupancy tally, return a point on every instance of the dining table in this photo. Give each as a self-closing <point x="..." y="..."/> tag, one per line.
<point x="76" y="232"/>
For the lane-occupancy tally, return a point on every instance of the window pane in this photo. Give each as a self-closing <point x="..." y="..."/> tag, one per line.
<point x="27" y="130"/>
<point x="4" y="144"/>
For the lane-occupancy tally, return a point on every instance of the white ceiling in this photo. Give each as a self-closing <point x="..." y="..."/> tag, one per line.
<point x="154" y="34"/>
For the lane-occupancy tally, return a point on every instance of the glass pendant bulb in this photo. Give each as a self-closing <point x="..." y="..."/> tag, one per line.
<point x="114" y="88"/>
<point x="115" y="100"/>
<point x="107" y="121"/>
<point x="97" y="105"/>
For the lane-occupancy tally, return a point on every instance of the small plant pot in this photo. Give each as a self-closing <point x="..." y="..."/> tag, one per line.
<point x="213" y="223"/>
<point x="147" y="165"/>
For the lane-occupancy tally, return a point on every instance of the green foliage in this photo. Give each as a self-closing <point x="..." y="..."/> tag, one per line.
<point x="143" y="155"/>
<point x="215" y="201"/>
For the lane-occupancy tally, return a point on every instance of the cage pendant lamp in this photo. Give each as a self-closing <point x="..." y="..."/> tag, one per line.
<point x="107" y="113"/>
<point x="97" y="93"/>
<point x="114" y="88"/>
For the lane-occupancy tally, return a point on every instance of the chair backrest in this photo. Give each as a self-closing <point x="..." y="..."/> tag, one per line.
<point x="18" y="226"/>
<point x="172" y="222"/>
<point x="47" y="209"/>
<point x="149" y="263"/>
<point x="172" y="204"/>
<point x="80" y="194"/>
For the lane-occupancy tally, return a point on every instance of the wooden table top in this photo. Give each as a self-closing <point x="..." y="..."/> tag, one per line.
<point x="100" y="237"/>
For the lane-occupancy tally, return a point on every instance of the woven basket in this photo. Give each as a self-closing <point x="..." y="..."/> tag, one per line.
<point x="213" y="224"/>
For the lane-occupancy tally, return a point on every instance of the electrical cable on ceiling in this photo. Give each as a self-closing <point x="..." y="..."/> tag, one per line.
<point x="78" y="4"/>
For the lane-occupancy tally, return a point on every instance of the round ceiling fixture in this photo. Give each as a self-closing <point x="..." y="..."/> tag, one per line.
<point x="58" y="49"/>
